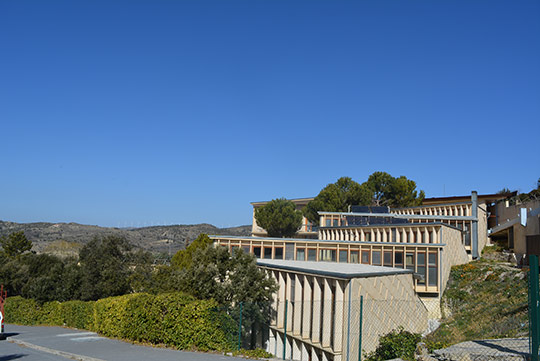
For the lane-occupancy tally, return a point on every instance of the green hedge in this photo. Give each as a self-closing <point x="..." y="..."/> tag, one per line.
<point x="173" y="319"/>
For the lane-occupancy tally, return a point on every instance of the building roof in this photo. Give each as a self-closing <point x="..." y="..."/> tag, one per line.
<point x="332" y="269"/>
<point x="454" y="199"/>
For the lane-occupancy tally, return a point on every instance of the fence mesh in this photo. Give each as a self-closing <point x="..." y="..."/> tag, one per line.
<point x="376" y="329"/>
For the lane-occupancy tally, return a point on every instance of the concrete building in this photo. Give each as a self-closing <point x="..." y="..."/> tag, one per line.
<point x="390" y="257"/>
<point x="317" y="304"/>
<point x="307" y="230"/>
<point x="517" y="227"/>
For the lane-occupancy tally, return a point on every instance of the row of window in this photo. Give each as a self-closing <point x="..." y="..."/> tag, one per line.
<point x="422" y="262"/>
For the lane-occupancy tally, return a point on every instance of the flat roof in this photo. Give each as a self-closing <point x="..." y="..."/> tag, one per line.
<point x="307" y="240"/>
<point x="332" y="269"/>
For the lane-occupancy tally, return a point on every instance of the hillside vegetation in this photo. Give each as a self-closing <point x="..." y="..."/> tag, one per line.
<point x="484" y="299"/>
<point x="67" y="238"/>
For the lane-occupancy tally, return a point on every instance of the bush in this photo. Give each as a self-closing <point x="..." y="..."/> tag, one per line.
<point x="397" y="343"/>
<point x="173" y="319"/>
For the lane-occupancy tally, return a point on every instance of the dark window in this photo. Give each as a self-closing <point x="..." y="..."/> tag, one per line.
<point x="278" y="253"/>
<point x="343" y="256"/>
<point x="257" y="251"/>
<point x="268" y="252"/>
<point x="421" y="267"/>
<point x="398" y="258"/>
<point x="311" y="254"/>
<point x="300" y="254"/>
<point x="246" y="249"/>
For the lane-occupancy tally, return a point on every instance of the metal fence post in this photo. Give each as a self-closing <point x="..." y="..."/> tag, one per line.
<point x="360" y="330"/>
<point x="240" y="326"/>
<point x="534" y="311"/>
<point x="285" y="331"/>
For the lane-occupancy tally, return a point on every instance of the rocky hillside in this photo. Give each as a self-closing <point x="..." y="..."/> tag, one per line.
<point x="54" y="236"/>
<point x="484" y="299"/>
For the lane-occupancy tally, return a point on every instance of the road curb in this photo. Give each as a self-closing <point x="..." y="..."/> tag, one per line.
<point x="68" y="355"/>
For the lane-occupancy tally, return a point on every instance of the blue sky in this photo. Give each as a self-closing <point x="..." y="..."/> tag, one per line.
<point x="136" y="113"/>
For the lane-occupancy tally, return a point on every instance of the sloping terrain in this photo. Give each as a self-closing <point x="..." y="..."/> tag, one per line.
<point x="64" y="237"/>
<point x="484" y="299"/>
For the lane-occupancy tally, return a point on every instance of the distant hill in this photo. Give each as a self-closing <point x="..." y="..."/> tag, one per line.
<point x="51" y="236"/>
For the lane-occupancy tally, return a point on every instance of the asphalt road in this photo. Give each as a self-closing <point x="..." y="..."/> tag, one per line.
<point x="56" y="343"/>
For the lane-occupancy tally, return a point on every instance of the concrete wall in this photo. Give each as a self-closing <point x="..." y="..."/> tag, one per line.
<point x="321" y="324"/>
<point x="453" y="254"/>
<point x="389" y="302"/>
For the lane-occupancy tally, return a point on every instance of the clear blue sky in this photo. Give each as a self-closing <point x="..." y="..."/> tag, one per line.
<point x="132" y="113"/>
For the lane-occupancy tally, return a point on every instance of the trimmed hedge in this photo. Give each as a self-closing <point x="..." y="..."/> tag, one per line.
<point x="173" y="319"/>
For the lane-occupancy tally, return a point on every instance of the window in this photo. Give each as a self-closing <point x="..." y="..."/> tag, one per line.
<point x="421" y="267"/>
<point x="343" y="256"/>
<point x="387" y="258"/>
<point x="409" y="261"/>
<point x="432" y="269"/>
<point x="289" y="251"/>
<point x="328" y="222"/>
<point x="327" y="255"/>
<point x="246" y="249"/>
<point x="398" y="258"/>
<point x="257" y="251"/>
<point x="355" y="257"/>
<point x="365" y="257"/>
<point x="311" y="254"/>
<point x="300" y="254"/>
<point x="268" y="252"/>
<point x="234" y="248"/>
<point x="376" y="258"/>
<point x="278" y="253"/>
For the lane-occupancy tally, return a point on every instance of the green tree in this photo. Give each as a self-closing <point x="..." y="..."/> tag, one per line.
<point x="183" y="258"/>
<point x="393" y="192"/>
<point x="105" y="267"/>
<point x="337" y="197"/>
<point x="15" y="244"/>
<point x="279" y="218"/>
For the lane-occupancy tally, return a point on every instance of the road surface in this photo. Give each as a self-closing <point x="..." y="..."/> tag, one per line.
<point x="32" y="343"/>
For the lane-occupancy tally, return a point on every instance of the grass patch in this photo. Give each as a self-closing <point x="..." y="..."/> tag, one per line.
<point x="484" y="299"/>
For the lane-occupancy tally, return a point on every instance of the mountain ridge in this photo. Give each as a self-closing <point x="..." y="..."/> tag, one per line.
<point x="169" y="238"/>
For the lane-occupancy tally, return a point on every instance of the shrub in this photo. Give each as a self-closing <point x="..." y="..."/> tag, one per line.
<point x="397" y="343"/>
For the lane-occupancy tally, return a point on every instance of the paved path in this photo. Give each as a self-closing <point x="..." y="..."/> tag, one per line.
<point x="63" y="343"/>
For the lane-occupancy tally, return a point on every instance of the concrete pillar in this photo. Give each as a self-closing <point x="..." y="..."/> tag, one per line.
<point x="338" y="317"/>
<point x="314" y="355"/>
<point x="271" y="345"/>
<point x="281" y="300"/>
<point x="317" y="304"/>
<point x="306" y="329"/>
<point x="275" y="297"/>
<point x="327" y="314"/>
<point x="290" y="309"/>
<point x="305" y="352"/>
<point x="279" y="345"/>
<point x="325" y="356"/>
<point x="296" y="350"/>
<point x="298" y="293"/>
<point x="474" y="230"/>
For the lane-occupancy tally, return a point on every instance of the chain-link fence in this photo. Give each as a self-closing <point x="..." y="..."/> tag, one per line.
<point x="377" y="329"/>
